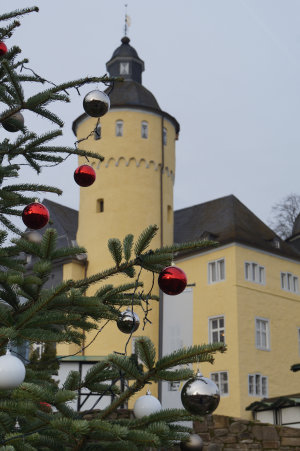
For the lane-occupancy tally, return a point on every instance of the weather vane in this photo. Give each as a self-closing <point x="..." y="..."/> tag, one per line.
<point x="127" y="20"/>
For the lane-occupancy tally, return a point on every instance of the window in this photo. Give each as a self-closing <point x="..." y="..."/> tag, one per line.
<point x="262" y="333"/>
<point x="289" y="282"/>
<point x="100" y="206"/>
<point x="174" y="386"/>
<point x="39" y="348"/>
<point x="164" y="136"/>
<point x="254" y="272"/>
<point x="221" y="380"/>
<point x="124" y="68"/>
<point x="169" y="213"/>
<point x="97" y="132"/>
<point x="144" y="129"/>
<point x="216" y="330"/>
<point x="257" y="385"/>
<point x="119" y="128"/>
<point x="216" y="271"/>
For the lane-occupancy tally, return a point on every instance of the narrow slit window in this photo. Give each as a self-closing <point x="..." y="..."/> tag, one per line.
<point x="164" y="136"/>
<point x="119" y="128"/>
<point x="97" y="132"/>
<point x="169" y="213"/>
<point x="100" y="205"/>
<point x="144" y="129"/>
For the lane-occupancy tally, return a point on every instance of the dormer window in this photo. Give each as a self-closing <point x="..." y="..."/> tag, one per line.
<point x="124" y="68"/>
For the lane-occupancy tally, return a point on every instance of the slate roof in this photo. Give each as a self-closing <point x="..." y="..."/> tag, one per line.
<point x="131" y="94"/>
<point x="64" y="220"/>
<point x="227" y="220"/>
<point x="125" y="50"/>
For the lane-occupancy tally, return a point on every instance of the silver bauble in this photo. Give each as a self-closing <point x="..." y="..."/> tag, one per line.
<point x="14" y="123"/>
<point x="96" y="103"/>
<point x="200" y="395"/>
<point x="128" y="322"/>
<point x="194" y="443"/>
<point x="33" y="236"/>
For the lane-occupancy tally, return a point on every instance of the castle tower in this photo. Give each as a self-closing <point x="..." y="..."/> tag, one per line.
<point x="134" y="184"/>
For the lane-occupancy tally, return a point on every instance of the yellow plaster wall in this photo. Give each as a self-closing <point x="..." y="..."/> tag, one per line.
<point x="240" y="302"/>
<point x="213" y="300"/>
<point x="283" y="310"/>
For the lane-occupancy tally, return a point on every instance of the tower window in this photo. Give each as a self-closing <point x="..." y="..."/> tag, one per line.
<point x="164" y="136"/>
<point x="144" y="129"/>
<point x="100" y="206"/>
<point x="119" y="128"/>
<point x="169" y="213"/>
<point x="124" y="68"/>
<point x="97" y="132"/>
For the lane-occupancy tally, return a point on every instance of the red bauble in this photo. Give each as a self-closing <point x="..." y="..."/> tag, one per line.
<point x="84" y="175"/>
<point x="35" y="216"/>
<point x="172" y="280"/>
<point x="3" y="48"/>
<point x="45" y="407"/>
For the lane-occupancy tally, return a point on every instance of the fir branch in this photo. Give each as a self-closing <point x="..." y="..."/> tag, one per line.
<point x="15" y="82"/>
<point x="127" y="246"/>
<point x="115" y="248"/>
<point x="7" y="31"/>
<point x="144" y="239"/>
<point x="18" y="12"/>
<point x="46" y="114"/>
<point x="7" y="223"/>
<point x="193" y="354"/>
<point x="145" y="350"/>
<point x="124" y="364"/>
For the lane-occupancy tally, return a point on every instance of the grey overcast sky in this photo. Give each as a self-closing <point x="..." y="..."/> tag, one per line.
<point x="227" y="70"/>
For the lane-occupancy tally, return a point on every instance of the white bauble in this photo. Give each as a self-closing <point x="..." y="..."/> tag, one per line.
<point x="146" y="405"/>
<point x="12" y="372"/>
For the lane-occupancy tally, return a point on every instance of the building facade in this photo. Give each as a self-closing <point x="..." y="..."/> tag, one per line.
<point x="244" y="292"/>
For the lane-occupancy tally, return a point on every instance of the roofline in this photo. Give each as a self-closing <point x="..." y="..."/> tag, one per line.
<point x="182" y="255"/>
<point x="130" y="107"/>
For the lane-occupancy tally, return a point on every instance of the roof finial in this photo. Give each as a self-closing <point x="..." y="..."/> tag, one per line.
<point x="127" y="20"/>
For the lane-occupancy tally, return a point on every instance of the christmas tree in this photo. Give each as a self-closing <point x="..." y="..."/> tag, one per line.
<point x="34" y="410"/>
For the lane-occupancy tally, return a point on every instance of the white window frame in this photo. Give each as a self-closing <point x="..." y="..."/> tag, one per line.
<point x="39" y="347"/>
<point x="255" y="273"/>
<point x="259" y="384"/>
<point x="217" y="330"/>
<point x="144" y="129"/>
<point x="216" y="266"/>
<point x="124" y="68"/>
<point x="259" y="322"/>
<point x="222" y="382"/>
<point x="119" y="128"/>
<point x="289" y="282"/>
